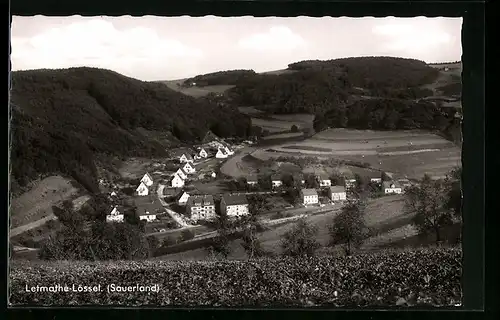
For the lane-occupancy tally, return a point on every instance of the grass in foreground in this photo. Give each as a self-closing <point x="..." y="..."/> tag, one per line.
<point x="386" y="278"/>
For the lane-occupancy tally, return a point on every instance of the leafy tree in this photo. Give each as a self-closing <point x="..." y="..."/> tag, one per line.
<point x="300" y="240"/>
<point x="167" y="241"/>
<point x="311" y="181"/>
<point x="455" y="192"/>
<point x="221" y="243"/>
<point x="348" y="227"/>
<point x="294" y="128"/>
<point x="68" y="217"/>
<point x="251" y="243"/>
<point x="264" y="182"/>
<point x="153" y="243"/>
<point x="428" y="202"/>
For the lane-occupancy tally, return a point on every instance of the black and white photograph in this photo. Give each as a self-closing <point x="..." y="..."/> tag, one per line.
<point x="241" y="162"/>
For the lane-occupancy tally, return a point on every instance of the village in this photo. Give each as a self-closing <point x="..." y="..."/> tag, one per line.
<point x="169" y="204"/>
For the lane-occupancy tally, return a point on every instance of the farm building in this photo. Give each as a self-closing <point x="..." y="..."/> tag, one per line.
<point x="183" y="198"/>
<point x="234" y="205"/>
<point x="392" y="187"/>
<point x="324" y="180"/>
<point x="147" y="180"/>
<point x="252" y="180"/>
<point x="188" y="168"/>
<point x="276" y="180"/>
<point x="148" y="208"/>
<point x="221" y="154"/>
<point x="185" y="158"/>
<point x="115" y="215"/>
<point x="337" y="193"/>
<point x="181" y="173"/>
<point x="176" y="182"/>
<point x="201" y="207"/>
<point x="299" y="177"/>
<point x="202" y="153"/>
<point x="309" y="196"/>
<point x="142" y="190"/>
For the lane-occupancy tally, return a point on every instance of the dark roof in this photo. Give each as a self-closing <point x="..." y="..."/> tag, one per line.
<point x="323" y="176"/>
<point x="201" y="200"/>
<point x="171" y="191"/>
<point x="309" y="192"/>
<point x="152" y="206"/>
<point x="298" y="176"/>
<point x="276" y="176"/>
<point x="234" y="199"/>
<point x="387" y="184"/>
<point x="252" y="178"/>
<point x="188" y="156"/>
<point x="337" y="189"/>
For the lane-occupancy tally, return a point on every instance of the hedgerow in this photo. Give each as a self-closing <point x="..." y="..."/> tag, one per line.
<point x="388" y="278"/>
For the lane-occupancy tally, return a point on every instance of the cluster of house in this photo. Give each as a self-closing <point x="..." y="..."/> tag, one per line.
<point x="202" y="207"/>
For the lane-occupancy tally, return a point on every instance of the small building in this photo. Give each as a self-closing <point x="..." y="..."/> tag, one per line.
<point x="337" y="193"/>
<point x="147" y="179"/>
<point x="177" y="182"/>
<point x="148" y="209"/>
<point x="201" y="207"/>
<point x="188" y="168"/>
<point x="252" y="180"/>
<point x="113" y="194"/>
<point x="324" y="180"/>
<point x="221" y="154"/>
<point x="234" y="205"/>
<point x="142" y="190"/>
<point x="350" y="181"/>
<point x="309" y="196"/>
<point x="228" y="151"/>
<point x="183" y="198"/>
<point x="276" y="181"/>
<point x="405" y="183"/>
<point x="213" y="174"/>
<point x="181" y="173"/>
<point x="115" y="215"/>
<point x="185" y="158"/>
<point x="392" y="187"/>
<point x="202" y="153"/>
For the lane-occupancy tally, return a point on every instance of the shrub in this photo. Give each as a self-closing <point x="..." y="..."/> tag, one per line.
<point x="422" y="277"/>
<point x="187" y="235"/>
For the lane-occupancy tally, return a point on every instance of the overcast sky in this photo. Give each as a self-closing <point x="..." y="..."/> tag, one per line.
<point x="165" y="48"/>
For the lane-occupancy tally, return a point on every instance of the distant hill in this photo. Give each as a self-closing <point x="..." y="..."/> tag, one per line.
<point x="229" y="77"/>
<point x="61" y="119"/>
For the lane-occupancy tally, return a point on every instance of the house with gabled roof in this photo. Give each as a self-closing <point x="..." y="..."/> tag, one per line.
<point x="186" y="157"/>
<point x="188" y="168"/>
<point x="181" y="173"/>
<point x="176" y="181"/>
<point x="183" y="198"/>
<point x="392" y="187"/>
<point x="148" y="208"/>
<point x="202" y="153"/>
<point x="228" y="151"/>
<point x="337" y="193"/>
<point x="142" y="190"/>
<point x="309" y="196"/>
<point x="115" y="215"/>
<point x="234" y="205"/>
<point x="276" y="180"/>
<point x="201" y="207"/>
<point x="221" y="154"/>
<point x="324" y="180"/>
<point x="252" y="180"/>
<point x="147" y="179"/>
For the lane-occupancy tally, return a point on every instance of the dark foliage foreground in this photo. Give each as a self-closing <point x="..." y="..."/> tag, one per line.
<point x="388" y="278"/>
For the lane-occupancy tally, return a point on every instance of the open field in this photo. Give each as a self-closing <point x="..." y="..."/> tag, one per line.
<point x="37" y="203"/>
<point x="406" y="153"/>
<point x="287" y="135"/>
<point x="134" y="168"/>
<point x="278" y="122"/>
<point x="195" y="91"/>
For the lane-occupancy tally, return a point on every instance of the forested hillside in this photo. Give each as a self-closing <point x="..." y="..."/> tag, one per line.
<point x="62" y="118"/>
<point x="229" y="77"/>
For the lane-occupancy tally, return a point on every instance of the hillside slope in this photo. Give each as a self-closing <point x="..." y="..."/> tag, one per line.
<point x="62" y="118"/>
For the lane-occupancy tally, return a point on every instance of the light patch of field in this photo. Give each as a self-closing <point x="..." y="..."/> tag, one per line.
<point x="134" y="168"/>
<point x="383" y="209"/>
<point x="250" y="111"/>
<point x="396" y="234"/>
<point x="297" y="117"/>
<point x="37" y="203"/>
<point x="279" y="72"/>
<point x="196" y="91"/>
<point x="273" y="125"/>
<point x="284" y="135"/>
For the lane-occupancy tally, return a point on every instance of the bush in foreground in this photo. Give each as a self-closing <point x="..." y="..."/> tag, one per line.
<point x="387" y="278"/>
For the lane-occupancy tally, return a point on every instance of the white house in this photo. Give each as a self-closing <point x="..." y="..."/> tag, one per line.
<point x="142" y="190"/>
<point x="149" y="209"/>
<point x="234" y="205"/>
<point x="183" y="199"/>
<point x="392" y="187"/>
<point x="188" y="168"/>
<point x="309" y="196"/>
<point x="201" y="207"/>
<point x="202" y="153"/>
<point x="176" y="182"/>
<point x="181" y="173"/>
<point x="147" y="180"/>
<point x="350" y="182"/>
<point x="376" y="180"/>
<point x="228" y="151"/>
<point x="337" y="193"/>
<point x="276" y="181"/>
<point x="186" y="157"/>
<point x="252" y="181"/>
<point x="115" y="215"/>
<point x="324" y="181"/>
<point x="113" y="194"/>
<point x="220" y="154"/>
<point x="213" y="174"/>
